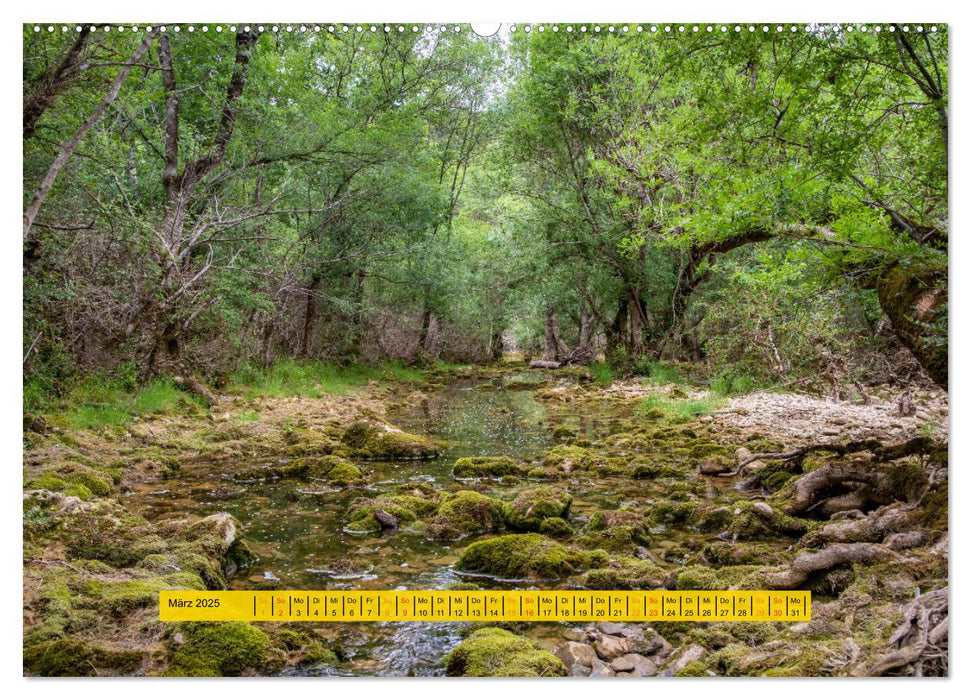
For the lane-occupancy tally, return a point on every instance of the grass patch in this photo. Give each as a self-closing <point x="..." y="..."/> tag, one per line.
<point x="248" y="416"/>
<point x="730" y="384"/>
<point x="159" y="396"/>
<point x="98" y="401"/>
<point x="95" y="417"/>
<point x="314" y="379"/>
<point x="681" y="409"/>
<point x="398" y="371"/>
<point x="601" y="373"/>
<point x="656" y="373"/>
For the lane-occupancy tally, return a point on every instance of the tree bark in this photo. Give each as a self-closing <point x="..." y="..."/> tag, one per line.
<point x="556" y="349"/>
<point x="915" y="301"/>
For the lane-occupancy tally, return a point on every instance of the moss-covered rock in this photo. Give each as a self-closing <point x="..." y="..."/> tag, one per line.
<point x="569" y="458"/>
<point x="67" y="657"/>
<point x="496" y="652"/>
<point x="557" y="528"/>
<point x="757" y="520"/>
<point x="533" y="506"/>
<point x="372" y="439"/>
<point x="303" y="648"/>
<point x="218" y="649"/>
<point x="627" y="574"/>
<point x="529" y="556"/>
<point x="465" y="513"/>
<point x="331" y="468"/>
<point x="487" y="467"/>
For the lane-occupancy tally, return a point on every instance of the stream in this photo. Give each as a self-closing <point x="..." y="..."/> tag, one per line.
<point x="298" y="532"/>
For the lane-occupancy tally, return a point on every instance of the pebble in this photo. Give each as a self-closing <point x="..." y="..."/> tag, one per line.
<point x="609" y="647"/>
<point x="576" y="654"/>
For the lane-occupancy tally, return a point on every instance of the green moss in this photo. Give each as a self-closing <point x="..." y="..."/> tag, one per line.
<point x="482" y="467"/>
<point x="693" y="669"/>
<point x="627" y="574"/>
<point x="698" y="578"/>
<point x="533" y="506"/>
<point x="710" y="518"/>
<point x="465" y="513"/>
<point x="218" y="649"/>
<point x="73" y="479"/>
<point x="66" y="657"/>
<point x="345" y="474"/>
<point x="556" y="527"/>
<point x="122" y="597"/>
<point x="112" y="535"/>
<point x="375" y="440"/>
<point x="529" y="556"/>
<point x="308" y="649"/>
<point x="569" y="458"/>
<point x="48" y="480"/>
<point x="496" y="652"/>
<point x="908" y="479"/>
<point x="750" y="522"/>
<point x="669" y="511"/>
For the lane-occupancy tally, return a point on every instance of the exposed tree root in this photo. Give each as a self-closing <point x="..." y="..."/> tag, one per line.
<point x="852" y="526"/>
<point x="921" y="641"/>
<point x="868" y="484"/>
<point x="881" y="452"/>
<point x="808" y="563"/>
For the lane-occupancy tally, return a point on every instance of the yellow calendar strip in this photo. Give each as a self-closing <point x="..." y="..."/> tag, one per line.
<point x="499" y="606"/>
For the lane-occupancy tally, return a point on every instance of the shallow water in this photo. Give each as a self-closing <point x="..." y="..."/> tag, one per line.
<point x="296" y="527"/>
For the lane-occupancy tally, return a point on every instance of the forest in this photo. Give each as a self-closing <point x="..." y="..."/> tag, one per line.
<point x="692" y="279"/>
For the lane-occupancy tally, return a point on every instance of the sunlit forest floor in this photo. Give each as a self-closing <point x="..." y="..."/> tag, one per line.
<point x="487" y="477"/>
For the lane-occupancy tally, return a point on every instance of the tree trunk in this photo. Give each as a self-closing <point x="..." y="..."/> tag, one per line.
<point x="556" y="349"/>
<point x="309" y="316"/>
<point x="915" y="301"/>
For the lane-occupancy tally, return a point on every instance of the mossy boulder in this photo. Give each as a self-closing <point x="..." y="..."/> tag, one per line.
<point x="617" y="531"/>
<point x="487" y="467"/>
<point x="218" y="649"/>
<point x="533" y="506"/>
<point x="627" y="574"/>
<point x="303" y="648"/>
<point x="466" y="513"/>
<point x="529" y="556"/>
<point x="362" y="514"/>
<point x="120" y="598"/>
<point x="331" y="468"/>
<point x="371" y="439"/>
<point x="557" y="528"/>
<point x="492" y="651"/>
<point x="75" y="480"/>
<point x="109" y="533"/>
<point x="569" y="458"/>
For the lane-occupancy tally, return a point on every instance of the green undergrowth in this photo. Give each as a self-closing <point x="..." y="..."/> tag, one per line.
<point x="98" y="401"/>
<point x="601" y="373"/>
<point x="656" y="373"/>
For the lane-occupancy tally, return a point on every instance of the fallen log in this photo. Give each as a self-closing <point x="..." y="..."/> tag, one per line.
<point x="192" y="384"/>
<point x="545" y="364"/>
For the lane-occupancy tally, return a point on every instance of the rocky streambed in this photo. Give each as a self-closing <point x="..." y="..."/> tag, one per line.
<point x="487" y="478"/>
